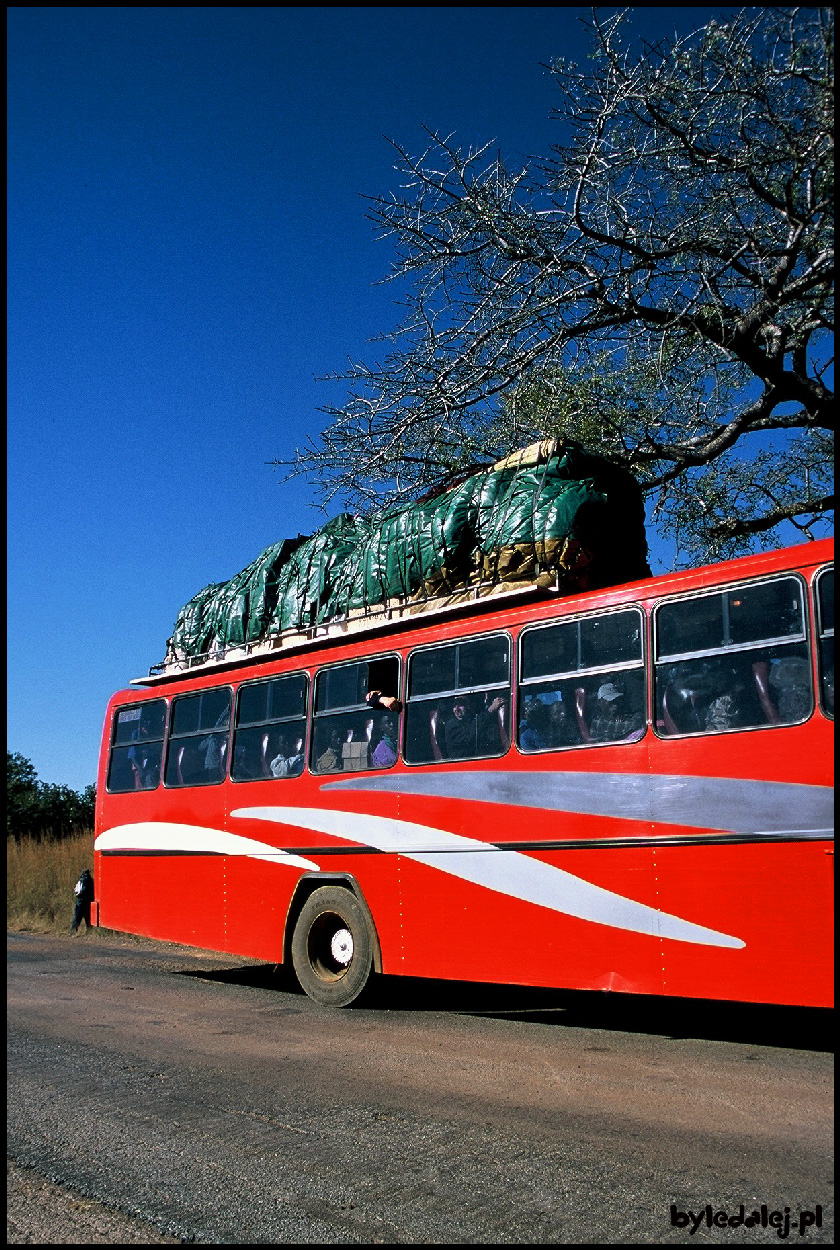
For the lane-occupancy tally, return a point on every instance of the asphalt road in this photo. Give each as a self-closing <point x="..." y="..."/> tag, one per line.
<point x="202" y="1099"/>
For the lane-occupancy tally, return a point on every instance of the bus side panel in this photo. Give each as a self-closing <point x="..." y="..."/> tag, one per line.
<point x="173" y="898"/>
<point x="777" y="897"/>
<point x="255" y="898"/>
<point x="458" y="930"/>
<point x="257" y="895"/>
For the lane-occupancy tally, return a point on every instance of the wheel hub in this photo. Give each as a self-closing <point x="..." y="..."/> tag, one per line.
<point x="341" y="947"/>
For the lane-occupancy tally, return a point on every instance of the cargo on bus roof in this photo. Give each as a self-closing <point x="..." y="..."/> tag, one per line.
<point x="551" y="514"/>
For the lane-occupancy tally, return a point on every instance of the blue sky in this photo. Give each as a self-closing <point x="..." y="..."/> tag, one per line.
<point x="188" y="251"/>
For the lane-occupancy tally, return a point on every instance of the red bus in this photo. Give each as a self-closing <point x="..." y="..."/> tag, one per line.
<point x="628" y="789"/>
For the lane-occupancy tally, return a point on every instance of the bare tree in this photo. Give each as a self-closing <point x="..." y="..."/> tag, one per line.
<point x="659" y="288"/>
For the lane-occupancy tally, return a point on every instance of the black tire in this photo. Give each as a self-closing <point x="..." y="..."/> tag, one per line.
<point x="332" y="947"/>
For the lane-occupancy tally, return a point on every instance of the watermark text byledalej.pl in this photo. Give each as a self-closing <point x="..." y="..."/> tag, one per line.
<point x="761" y="1217"/>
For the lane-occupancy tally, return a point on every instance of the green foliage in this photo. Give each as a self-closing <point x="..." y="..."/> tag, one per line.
<point x="38" y="809"/>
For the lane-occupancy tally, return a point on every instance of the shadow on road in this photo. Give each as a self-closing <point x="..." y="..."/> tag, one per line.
<point x="800" y="1028"/>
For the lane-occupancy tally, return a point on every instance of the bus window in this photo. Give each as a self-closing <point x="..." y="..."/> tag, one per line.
<point x="825" y="624"/>
<point x="750" y="668"/>
<point x="270" y="728"/>
<point x="348" y="735"/>
<point x="458" y="701"/>
<point x="198" y="738"/>
<point x="136" y="747"/>
<point x="582" y="682"/>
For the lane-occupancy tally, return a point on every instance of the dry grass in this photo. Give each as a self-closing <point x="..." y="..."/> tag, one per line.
<point x="39" y="882"/>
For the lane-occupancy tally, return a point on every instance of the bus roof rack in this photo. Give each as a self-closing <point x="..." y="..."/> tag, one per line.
<point x="371" y="620"/>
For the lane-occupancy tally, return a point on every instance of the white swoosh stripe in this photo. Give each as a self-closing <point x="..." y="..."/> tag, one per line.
<point x="162" y="836"/>
<point x="507" y="872"/>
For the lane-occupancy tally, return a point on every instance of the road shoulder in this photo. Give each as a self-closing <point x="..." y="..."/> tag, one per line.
<point x="39" y="1213"/>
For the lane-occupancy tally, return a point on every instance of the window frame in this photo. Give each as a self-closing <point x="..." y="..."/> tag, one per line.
<point x="819" y="634"/>
<point x="197" y="733"/>
<point x="309" y="686"/>
<point x="127" y="707"/>
<point x="731" y="649"/>
<point x="345" y="709"/>
<point x="510" y="687"/>
<point x="522" y="684"/>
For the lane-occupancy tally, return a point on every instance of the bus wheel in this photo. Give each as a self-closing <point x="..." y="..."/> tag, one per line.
<point x="332" y="949"/>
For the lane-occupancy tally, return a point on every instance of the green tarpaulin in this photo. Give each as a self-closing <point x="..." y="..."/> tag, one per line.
<point x="551" y="514"/>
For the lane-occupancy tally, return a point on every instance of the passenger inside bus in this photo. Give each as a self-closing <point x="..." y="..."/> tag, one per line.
<point x="355" y="741"/>
<point x="329" y="759"/>
<point x="144" y="758"/>
<point x="475" y="726"/>
<point x="247" y="764"/>
<point x="383" y="752"/>
<point x="562" y="732"/>
<point x="713" y="695"/>
<point x="546" y="723"/>
<point x="790" y="682"/>
<point x="773" y="687"/>
<point x="200" y="762"/>
<point x="377" y="699"/>
<point x="535" y="728"/>
<point x="725" y="710"/>
<point x="616" y="717"/>
<point x="206" y="757"/>
<point x="288" y="762"/>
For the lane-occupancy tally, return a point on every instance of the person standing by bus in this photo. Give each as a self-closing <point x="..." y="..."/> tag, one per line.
<point x="83" y="890"/>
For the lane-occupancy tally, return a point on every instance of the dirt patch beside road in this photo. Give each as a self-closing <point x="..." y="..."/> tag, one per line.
<point x="39" y="1213"/>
